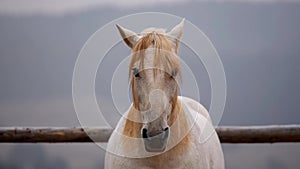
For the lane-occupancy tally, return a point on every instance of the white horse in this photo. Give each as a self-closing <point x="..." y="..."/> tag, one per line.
<point x="161" y="129"/>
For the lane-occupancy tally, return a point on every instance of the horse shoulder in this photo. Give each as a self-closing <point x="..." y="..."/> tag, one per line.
<point x="205" y="147"/>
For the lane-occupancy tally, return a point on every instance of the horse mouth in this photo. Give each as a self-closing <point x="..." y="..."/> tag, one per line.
<point x="156" y="143"/>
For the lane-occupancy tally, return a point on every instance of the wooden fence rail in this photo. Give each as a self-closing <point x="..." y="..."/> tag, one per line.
<point x="227" y="134"/>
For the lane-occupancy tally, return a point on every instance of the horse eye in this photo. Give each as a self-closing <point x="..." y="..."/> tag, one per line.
<point x="173" y="74"/>
<point x="135" y="72"/>
<point x="137" y="75"/>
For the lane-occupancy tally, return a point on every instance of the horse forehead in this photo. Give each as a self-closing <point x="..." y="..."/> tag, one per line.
<point x="149" y="58"/>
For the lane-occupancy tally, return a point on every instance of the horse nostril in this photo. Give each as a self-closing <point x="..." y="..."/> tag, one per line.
<point x="166" y="129"/>
<point x="144" y="133"/>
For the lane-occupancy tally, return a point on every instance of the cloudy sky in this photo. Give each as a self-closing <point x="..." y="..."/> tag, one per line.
<point x="258" y="43"/>
<point x="57" y="7"/>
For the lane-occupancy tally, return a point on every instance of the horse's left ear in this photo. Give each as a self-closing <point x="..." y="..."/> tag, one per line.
<point x="128" y="36"/>
<point x="176" y="33"/>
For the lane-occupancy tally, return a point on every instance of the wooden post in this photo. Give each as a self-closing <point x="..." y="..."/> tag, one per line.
<point x="232" y="134"/>
<point x="259" y="134"/>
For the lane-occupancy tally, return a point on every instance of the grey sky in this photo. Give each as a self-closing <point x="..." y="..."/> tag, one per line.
<point x="258" y="44"/>
<point x="57" y="7"/>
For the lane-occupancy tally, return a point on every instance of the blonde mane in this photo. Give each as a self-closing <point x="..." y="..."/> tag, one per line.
<point x="164" y="56"/>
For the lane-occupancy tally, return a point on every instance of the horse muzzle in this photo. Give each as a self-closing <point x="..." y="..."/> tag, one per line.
<point x="157" y="143"/>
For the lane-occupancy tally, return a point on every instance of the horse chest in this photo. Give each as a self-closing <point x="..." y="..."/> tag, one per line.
<point x="188" y="160"/>
<point x="178" y="163"/>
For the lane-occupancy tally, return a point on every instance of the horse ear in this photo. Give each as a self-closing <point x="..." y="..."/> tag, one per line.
<point x="129" y="37"/>
<point x="176" y="33"/>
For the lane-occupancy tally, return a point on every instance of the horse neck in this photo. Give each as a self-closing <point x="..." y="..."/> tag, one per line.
<point x="132" y="127"/>
<point x="180" y="125"/>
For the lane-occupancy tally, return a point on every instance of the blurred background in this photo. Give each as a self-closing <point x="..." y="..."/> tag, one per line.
<point x="258" y="42"/>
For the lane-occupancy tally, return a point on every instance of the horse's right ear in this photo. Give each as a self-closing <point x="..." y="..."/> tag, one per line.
<point x="176" y="33"/>
<point x="129" y="37"/>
